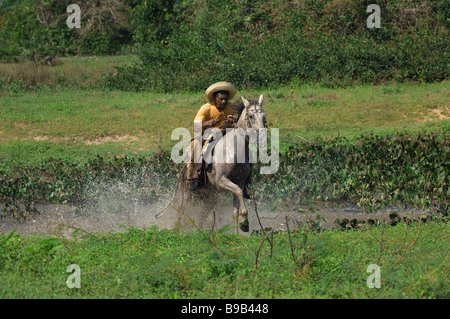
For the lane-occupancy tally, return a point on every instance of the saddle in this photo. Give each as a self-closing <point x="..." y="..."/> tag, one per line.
<point x="204" y="166"/>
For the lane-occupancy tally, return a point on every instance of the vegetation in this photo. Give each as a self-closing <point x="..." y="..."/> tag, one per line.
<point x="391" y="148"/>
<point x="37" y="26"/>
<point x="79" y="72"/>
<point x="260" y="44"/>
<point x="363" y="117"/>
<point x="186" y="45"/>
<point x="153" y="263"/>
<point x="373" y="172"/>
<point x="134" y="122"/>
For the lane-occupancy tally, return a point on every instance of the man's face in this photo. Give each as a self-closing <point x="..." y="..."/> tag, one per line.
<point x="221" y="100"/>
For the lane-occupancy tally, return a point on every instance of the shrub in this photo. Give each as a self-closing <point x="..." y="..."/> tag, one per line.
<point x="371" y="172"/>
<point x="255" y="45"/>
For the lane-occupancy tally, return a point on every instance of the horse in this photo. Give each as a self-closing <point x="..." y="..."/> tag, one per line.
<point x="228" y="170"/>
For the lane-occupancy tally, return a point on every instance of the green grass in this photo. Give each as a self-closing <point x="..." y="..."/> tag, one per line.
<point x="125" y="122"/>
<point x="69" y="122"/>
<point x="314" y="111"/>
<point x="166" y="264"/>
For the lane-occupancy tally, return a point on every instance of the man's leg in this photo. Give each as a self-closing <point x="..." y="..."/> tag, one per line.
<point x="193" y="166"/>
<point x="193" y="177"/>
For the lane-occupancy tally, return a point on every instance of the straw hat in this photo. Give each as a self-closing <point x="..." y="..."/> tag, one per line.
<point x="220" y="86"/>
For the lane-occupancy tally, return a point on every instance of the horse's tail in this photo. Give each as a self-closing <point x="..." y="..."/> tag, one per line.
<point x="180" y="185"/>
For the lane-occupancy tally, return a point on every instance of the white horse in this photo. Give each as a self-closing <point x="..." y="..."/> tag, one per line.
<point x="230" y="166"/>
<point x="230" y="170"/>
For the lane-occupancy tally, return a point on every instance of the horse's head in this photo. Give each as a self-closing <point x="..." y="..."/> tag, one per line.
<point x="253" y="115"/>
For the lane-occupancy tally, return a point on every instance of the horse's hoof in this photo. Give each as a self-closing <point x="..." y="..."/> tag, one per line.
<point x="244" y="226"/>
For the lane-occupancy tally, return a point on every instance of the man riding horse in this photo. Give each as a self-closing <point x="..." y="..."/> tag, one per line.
<point x="219" y="113"/>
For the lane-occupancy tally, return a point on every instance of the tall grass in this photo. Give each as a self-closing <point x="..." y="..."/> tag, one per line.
<point x="73" y="72"/>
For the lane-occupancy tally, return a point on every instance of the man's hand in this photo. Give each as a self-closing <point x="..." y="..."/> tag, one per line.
<point x="210" y="123"/>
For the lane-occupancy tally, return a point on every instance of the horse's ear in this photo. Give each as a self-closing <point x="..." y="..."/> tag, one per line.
<point x="260" y="100"/>
<point x="246" y="103"/>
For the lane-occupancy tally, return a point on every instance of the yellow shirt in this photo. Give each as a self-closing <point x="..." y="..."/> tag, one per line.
<point x="209" y="112"/>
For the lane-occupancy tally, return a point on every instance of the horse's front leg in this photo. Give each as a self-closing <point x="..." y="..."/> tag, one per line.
<point x="235" y="213"/>
<point x="243" y="216"/>
<point x="225" y="183"/>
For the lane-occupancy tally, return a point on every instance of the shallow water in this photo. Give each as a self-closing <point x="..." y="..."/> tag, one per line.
<point x="64" y="219"/>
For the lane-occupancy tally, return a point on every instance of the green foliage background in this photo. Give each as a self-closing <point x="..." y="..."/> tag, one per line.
<point x="29" y="26"/>
<point x="255" y="44"/>
<point x="186" y="45"/>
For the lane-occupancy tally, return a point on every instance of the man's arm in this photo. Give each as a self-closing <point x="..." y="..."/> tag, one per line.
<point x="208" y="124"/>
<point x="202" y="117"/>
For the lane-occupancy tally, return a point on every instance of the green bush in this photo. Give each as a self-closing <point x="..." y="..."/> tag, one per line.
<point x="254" y="45"/>
<point x="188" y="45"/>
<point x="29" y="26"/>
<point x="371" y="172"/>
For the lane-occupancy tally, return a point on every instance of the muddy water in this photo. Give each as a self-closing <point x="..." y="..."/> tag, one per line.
<point x="64" y="219"/>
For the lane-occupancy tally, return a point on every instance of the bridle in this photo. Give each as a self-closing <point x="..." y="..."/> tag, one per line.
<point x="257" y="110"/>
